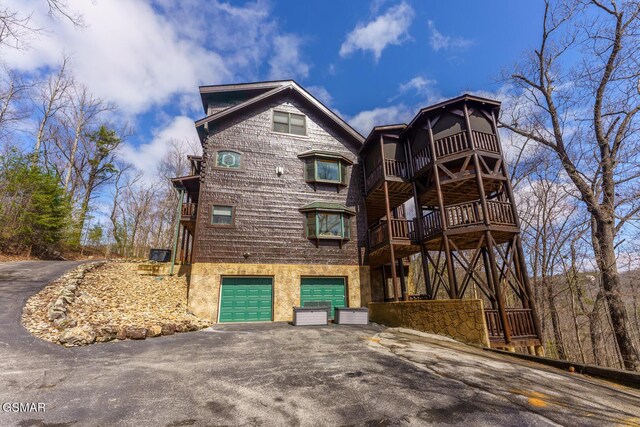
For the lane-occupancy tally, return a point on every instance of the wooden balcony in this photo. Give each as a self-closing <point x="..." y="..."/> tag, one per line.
<point x="396" y="174"/>
<point x="403" y="239"/>
<point x="189" y="211"/>
<point x="463" y="219"/>
<point x="520" y="322"/>
<point x="393" y="170"/>
<point x="452" y="145"/>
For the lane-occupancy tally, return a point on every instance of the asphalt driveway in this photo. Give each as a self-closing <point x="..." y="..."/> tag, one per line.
<point x="276" y="374"/>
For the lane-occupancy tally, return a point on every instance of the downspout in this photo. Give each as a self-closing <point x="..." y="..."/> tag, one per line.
<point x="177" y="232"/>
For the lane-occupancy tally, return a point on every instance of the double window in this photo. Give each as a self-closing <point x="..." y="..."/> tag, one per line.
<point x="295" y="124"/>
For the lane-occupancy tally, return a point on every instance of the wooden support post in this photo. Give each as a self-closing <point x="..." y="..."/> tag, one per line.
<point x="385" y="291"/>
<point x="487" y="272"/>
<point x="518" y="243"/>
<point x="188" y="248"/>
<point x="418" y="226"/>
<point x="177" y="232"/>
<point x="527" y="288"/>
<point x="182" y="245"/>
<point x="396" y="287"/>
<point x="498" y="287"/>
<point x="453" y="287"/>
<point x="403" y="284"/>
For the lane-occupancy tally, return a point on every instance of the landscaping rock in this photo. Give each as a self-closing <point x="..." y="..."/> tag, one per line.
<point x="65" y="323"/>
<point x="81" y="335"/>
<point x="168" y="328"/>
<point x="106" y="333"/>
<point x="111" y="294"/>
<point x="121" y="334"/>
<point x="136" y="333"/>
<point x="56" y="313"/>
<point x="154" y="331"/>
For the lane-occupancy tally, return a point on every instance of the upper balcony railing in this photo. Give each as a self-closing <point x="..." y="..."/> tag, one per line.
<point x="454" y="144"/>
<point x="394" y="168"/>
<point x="189" y="211"/>
<point x="401" y="229"/>
<point x="467" y="214"/>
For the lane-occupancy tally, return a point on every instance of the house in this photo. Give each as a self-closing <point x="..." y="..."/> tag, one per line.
<point x="272" y="213"/>
<point x="290" y="205"/>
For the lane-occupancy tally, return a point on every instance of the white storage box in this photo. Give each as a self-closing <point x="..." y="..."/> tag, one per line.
<point x="309" y="316"/>
<point x="351" y="316"/>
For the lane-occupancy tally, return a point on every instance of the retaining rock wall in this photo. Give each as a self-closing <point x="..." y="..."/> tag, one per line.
<point x="462" y="320"/>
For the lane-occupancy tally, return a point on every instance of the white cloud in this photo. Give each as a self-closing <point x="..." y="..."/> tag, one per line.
<point x="322" y="94"/>
<point x="439" y="41"/>
<point x="146" y="157"/>
<point x="141" y="55"/>
<point x="391" y="28"/>
<point x="286" y="62"/>
<point x="364" y="121"/>
<point x="127" y="53"/>
<point x="420" y="87"/>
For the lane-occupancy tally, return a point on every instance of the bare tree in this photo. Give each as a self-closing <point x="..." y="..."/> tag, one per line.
<point x="50" y="99"/>
<point x="16" y="29"/>
<point x="585" y="111"/>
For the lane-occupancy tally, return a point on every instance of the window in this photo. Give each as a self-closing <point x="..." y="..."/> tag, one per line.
<point x="328" y="221"/>
<point x="222" y="215"/>
<point x="228" y="159"/>
<point x="324" y="166"/>
<point x="328" y="225"/>
<point x="295" y="124"/>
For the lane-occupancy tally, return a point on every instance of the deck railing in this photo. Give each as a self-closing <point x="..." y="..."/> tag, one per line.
<point x="485" y="141"/>
<point x="401" y="229"/>
<point x="422" y="159"/>
<point x="431" y="224"/>
<point x="189" y="210"/>
<point x="453" y="144"/>
<point x="520" y="323"/>
<point x="467" y="214"/>
<point x="396" y="168"/>
<point x="374" y="176"/>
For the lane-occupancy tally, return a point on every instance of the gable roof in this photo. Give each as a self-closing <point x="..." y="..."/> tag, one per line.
<point x="395" y="129"/>
<point x="265" y="91"/>
<point x="462" y="98"/>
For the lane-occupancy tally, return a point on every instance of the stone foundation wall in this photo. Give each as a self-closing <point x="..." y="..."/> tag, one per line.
<point x="204" y="285"/>
<point x="462" y="320"/>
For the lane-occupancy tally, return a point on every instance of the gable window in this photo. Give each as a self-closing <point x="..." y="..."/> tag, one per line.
<point x="292" y="123"/>
<point x="228" y="159"/>
<point x="328" y="221"/>
<point x="325" y="167"/>
<point x="222" y="215"/>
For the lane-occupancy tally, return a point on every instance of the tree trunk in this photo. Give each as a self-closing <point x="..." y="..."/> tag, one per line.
<point x="555" y="320"/>
<point x="606" y="260"/>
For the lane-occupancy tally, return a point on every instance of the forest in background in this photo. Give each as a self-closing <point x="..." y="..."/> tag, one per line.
<point x="570" y="124"/>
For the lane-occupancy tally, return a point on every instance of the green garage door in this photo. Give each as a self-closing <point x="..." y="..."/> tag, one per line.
<point x="245" y="299"/>
<point x="323" y="289"/>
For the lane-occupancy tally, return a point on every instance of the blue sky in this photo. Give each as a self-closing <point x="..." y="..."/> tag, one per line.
<point x="372" y="62"/>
